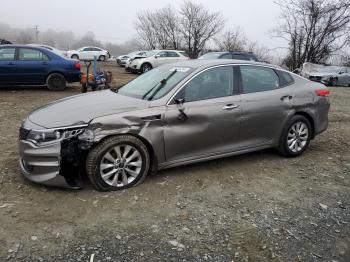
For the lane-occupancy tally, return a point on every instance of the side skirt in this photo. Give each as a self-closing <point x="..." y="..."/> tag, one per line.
<point x="204" y="158"/>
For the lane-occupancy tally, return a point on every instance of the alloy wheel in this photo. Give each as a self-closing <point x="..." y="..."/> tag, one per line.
<point x="121" y="165"/>
<point x="297" y="138"/>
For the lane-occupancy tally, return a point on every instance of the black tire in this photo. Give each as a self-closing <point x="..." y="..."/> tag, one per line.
<point x="75" y="57"/>
<point x="145" y="68"/>
<point x="102" y="58"/>
<point x="83" y="88"/>
<point x="96" y="154"/>
<point x="333" y="81"/>
<point x="56" y="82"/>
<point x="283" y="147"/>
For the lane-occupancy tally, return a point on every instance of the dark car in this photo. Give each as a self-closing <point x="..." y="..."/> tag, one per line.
<point x="175" y="114"/>
<point x="4" y="42"/>
<point x="28" y="65"/>
<point x="231" y="55"/>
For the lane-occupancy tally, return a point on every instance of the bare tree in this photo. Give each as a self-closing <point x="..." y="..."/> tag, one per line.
<point x="145" y="28"/>
<point x="198" y="26"/>
<point x="314" y="29"/>
<point x="261" y="52"/>
<point x="24" y="38"/>
<point x="231" y="40"/>
<point x="169" y="23"/>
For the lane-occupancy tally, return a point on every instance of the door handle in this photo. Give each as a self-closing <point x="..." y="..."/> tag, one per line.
<point x="229" y="107"/>
<point x="286" y="98"/>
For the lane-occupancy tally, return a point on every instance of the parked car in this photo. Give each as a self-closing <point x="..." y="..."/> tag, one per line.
<point x="173" y="115"/>
<point x="230" y="55"/>
<point x="331" y="75"/>
<point x="154" y="59"/>
<point x="4" y="42"/>
<point x="122" y="60"/>
<point x="88" y="53"/>
<point x="29" y="65"/>
<point x="53" y="49"/>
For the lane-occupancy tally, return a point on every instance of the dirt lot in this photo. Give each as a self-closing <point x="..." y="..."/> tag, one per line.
<point x="253" y="207"/>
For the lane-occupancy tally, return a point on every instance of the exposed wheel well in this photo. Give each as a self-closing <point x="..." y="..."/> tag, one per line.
<point x="311" y="120"/>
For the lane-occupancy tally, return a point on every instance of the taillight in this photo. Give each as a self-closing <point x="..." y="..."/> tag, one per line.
<point x="322" y="92"/>
<point x="77" y="66"/>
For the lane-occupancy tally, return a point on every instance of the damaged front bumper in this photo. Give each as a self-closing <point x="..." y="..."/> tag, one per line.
<point x="54" y="164"/>
<point x="42" y="164"/>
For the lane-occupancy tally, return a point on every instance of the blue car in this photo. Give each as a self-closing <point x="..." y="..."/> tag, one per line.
<point x="28" y="65"/>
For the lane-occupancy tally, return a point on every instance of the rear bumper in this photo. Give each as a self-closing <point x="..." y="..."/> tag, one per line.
<point x="41" y="164"/>
<point x="73" y="77"/>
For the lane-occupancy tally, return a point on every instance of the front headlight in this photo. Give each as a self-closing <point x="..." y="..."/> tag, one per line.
<point x="42" y="137"/>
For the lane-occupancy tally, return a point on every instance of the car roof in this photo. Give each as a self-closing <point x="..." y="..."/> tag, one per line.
<point x="202" y="63"/>
<point x="22" y="46"/>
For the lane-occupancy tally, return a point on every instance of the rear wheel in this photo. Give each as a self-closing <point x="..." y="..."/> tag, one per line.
<point x="295" y="137"/>
<point x="56" y="82"/>
<point x="102" y="58"/>
<point x="75" y="57"/>
<point x="118" y="163"/>
<point x="334" y="81"/>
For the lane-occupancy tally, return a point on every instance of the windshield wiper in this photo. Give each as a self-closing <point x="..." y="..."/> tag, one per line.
<point x="158" y="86"/>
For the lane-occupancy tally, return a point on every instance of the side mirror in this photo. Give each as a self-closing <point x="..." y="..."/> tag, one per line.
<point x="180" y="105"/>
<point x="156" y="56"/>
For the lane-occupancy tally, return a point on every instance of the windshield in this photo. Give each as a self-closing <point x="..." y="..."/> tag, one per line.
<point x="150" y="53"/>
<point x="210" y="56"/>
<point x="155" y="83"/>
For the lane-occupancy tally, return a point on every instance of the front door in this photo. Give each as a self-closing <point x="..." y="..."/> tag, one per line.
<point x="8" y="65"/>
<point x="265" y="105"/>
<point x="212" y="116"/>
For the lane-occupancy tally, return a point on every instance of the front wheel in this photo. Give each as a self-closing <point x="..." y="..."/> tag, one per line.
<point x="102" y="58"/>
<point x="145" y="68"/>
<point x="75" y="57"/>
<point x="56" y="82"/>
<point x="118" y="163"/>
<point x="295" y="137"/>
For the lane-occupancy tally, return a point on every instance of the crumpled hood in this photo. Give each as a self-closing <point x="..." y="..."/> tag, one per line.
<point x="80" y="109"/>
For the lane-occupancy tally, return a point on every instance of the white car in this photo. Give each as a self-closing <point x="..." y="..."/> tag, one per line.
<point x="122" y="60"/>
<point x="88" y="53"/>
<point x="155" y="58"/>
<point x="53" y="49"/>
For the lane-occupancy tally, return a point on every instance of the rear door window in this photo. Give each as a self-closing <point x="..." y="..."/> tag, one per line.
<point x="172" y="54"/>
<point x="285" y="78"/>
<point x="27" y="54"/>
<point x="257" y="79"/>
<point x="7" y="54"/>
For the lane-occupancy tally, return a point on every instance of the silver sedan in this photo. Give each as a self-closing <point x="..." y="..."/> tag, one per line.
<point x="174" y="115"/>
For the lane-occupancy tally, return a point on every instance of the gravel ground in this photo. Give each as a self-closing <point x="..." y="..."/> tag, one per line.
<point x="253" y="207"/>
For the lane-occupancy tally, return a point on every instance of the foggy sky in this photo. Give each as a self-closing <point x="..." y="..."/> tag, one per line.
<point x="113" y="20"/>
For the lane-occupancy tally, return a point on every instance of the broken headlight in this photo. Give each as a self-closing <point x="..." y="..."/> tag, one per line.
<point x="42" y="137"/>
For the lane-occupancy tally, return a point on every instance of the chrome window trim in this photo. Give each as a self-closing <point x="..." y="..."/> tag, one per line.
<point x="211" y="67"/>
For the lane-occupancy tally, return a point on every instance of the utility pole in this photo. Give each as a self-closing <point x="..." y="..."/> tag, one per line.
<point x="36" y="34"/>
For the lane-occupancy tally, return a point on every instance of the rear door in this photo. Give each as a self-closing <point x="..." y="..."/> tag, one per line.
<point x="213" y="111"/>
<point x="8" y="65"/>
<point x="265" y="105"/>
<point x="33" y="66"/>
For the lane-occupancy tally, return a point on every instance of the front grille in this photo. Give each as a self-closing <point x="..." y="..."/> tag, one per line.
<point x="23" y="133"/>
